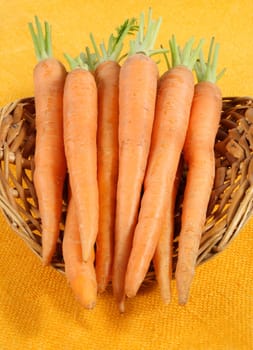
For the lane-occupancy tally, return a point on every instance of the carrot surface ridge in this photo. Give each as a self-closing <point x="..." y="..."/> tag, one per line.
<point x="174" y="98"/>
<point x="49" y="158"/>
<point x="199" y="156"/>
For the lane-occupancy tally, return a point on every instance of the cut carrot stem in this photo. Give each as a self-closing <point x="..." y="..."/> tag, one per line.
<point x="199" y="156"/>
<point x="137" y="96"/>
<point x="81" y="275"/>
<point x="50" y="163"/>
<point x="173" y="104"/>
<point x="80" y="141"/>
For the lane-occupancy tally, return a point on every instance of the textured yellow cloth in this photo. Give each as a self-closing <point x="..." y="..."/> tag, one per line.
<point x="37" y="308"/>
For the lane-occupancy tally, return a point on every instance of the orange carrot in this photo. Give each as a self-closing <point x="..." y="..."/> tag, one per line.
<point x="81" y="275"/>
<point x="107" y="78"/>
<point x="49" y="158"/>
<point x="80" y="137"/>
<point x="137" y="95"/>
<point x="163" y="254"/>
<point x="174" y="98"/>
<point x="199" y="155"/>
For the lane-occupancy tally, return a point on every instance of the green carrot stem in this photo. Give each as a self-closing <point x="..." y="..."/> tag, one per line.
<point x="207" y="71"/>
<point x="48" y="39"/>
<point x="187" y="56"/>
<point x="90" y="59"/>
<point x="42" y="41"/>
<point x="113" y="49"/>
<point x="75" y="63"/>
<point x="145" y="41"/>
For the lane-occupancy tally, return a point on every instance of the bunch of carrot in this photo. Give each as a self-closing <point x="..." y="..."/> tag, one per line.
<point x="119" y="133"/>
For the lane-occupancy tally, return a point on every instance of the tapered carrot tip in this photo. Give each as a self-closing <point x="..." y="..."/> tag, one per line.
<point x="46" y="258"/>
<point x="85" y="291"/>
<point x="122" y="306"/>
<point x="132" y="287"/>
<point x="166" y="298"/>
<point x="87" y="249"/>
<point x="183" y="288"/>
<point x="131" y="292"/>
<point x="182" y="299"/>
<point x="45" y="261"/>
<point x="90" y="305"/>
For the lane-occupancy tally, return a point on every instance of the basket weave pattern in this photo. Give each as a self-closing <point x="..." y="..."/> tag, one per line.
<point x="231" y="202"/>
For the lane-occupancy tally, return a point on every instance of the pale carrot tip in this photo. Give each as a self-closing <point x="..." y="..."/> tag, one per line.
<point x="167" y="300"/>
<point x="166" y="295"/>
<point x="47" y="253"/>
<point x="84" y="290"/>
<point x="183" y="282"/>
<point x="46" y="260"/>
<point x="122" y="306"/>
<point x="86" y="255"/>
<point x="183" y="296"/>
<point x="130" y="293"/>
<point x="87" y="304"/>
<point x="90" y="306"/>
<point x="131" y="289"/>
<point x="182" y="300"/>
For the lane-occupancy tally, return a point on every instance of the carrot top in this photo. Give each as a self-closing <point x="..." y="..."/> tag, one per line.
<point x="76" y="62"/>
<point x="144" y="42"/>
<point x="42" y="42"/>
<point x="183" y="57"/>
<point x="207" y="71"/>
<point x="114" y="47"/>
<point x="89" y="58"/>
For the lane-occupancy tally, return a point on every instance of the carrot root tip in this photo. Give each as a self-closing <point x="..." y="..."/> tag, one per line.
<point x="86" y="255"/>
<point x="130" y="293"/>
<point x="85" y="302"/>
<point x="45" y="261"/>
<point x="122" y="307"/>
<point x="90" y="305"/>
<point x="167" y="300"/>
<point x="183" y="296"/>
<point x="182" y="300"/>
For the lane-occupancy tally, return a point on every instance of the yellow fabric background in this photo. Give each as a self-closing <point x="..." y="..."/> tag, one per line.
<point x="37" y="308"/>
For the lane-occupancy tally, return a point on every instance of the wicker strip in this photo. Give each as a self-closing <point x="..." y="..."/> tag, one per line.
<point x="230" y="204"/>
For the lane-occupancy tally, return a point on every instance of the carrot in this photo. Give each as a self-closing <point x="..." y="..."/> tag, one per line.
<point x="163" y="253"/>
<point x="80" y="137"/>
<point x="137" y="95"/>
<point x="199" y="156"/>
<point x="174" y="98"/>
<point x="107" y="77"/>
<point x="50" y="163"/>
<point x="107" y="70"/>
<point x="81" y="275"/>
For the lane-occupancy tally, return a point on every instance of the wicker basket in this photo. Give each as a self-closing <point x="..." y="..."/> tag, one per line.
<point x="230" y="204"/>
